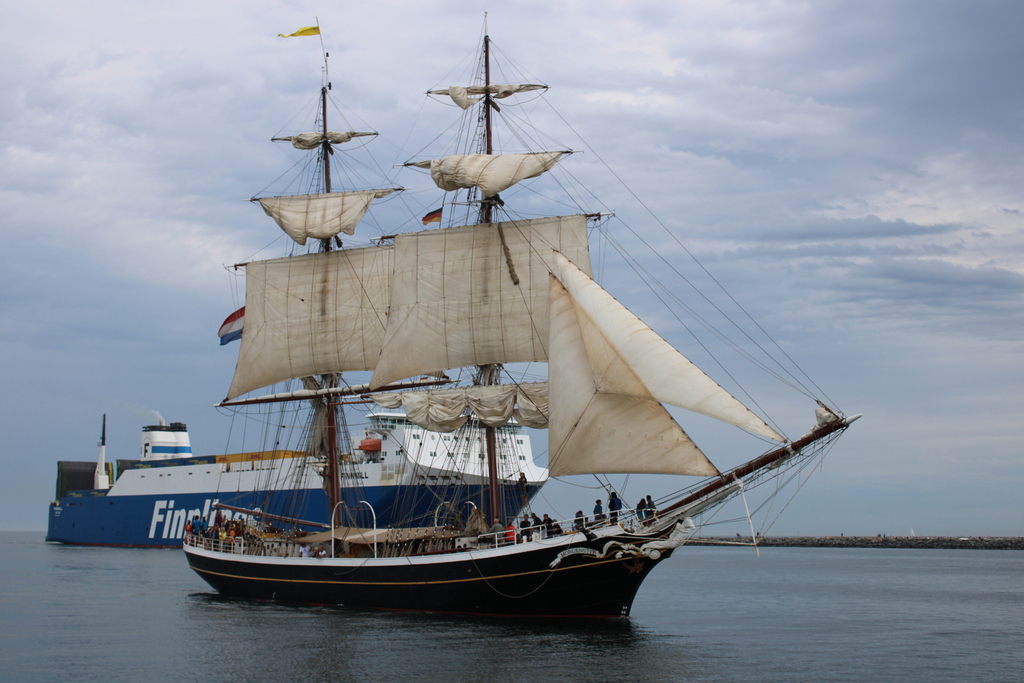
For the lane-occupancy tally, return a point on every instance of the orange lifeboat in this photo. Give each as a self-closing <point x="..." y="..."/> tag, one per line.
<point x="370" y="445"/>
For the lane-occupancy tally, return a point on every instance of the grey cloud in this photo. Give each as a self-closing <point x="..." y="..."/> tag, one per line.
<point x="845" y="230"/>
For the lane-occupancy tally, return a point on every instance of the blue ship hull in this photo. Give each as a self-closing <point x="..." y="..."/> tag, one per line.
<point x="155" y="521"/>
<point x="158" y="521"/>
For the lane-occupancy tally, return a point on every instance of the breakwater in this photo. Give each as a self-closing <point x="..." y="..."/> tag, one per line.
<point x="944" y="542"/>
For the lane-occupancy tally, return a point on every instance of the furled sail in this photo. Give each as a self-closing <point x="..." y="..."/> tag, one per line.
<point x="453" y="303"/>
<point x="320" y="216"/>
<point x="628" y="357"/>
<point x="461" y="94"/>
<point x="313" y="314"/>
<point x="492" y="173"/>
<point x="443" y="410"/>
<point x="308" y="141"/>
<point x="319" y="434"/>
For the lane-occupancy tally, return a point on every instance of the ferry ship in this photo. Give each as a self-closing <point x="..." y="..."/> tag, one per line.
<point x="400" y="474"/>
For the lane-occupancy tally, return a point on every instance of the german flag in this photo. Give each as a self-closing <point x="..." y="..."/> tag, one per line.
<point x="433" y="217"/>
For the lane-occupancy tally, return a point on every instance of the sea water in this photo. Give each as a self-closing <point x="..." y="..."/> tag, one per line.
<point x="707" y="614"/>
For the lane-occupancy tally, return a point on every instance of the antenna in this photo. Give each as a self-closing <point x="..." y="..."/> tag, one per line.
<point x="326" y="82"/>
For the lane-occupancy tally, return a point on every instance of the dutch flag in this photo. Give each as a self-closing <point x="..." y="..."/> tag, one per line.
<point x="232" y="327"/>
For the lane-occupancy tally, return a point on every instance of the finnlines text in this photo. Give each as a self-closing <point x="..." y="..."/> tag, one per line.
<point x="170" y="522"/>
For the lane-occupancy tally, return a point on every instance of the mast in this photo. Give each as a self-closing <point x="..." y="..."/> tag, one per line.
<point x="101" y="480"/>
<point x="327" y="381"/>
<point x="487" y="205"/>
<point x="334" y="495"/>
<point x="490" y="374"/>
<point x="487" y="95"/>
<point x="326" y="145"/>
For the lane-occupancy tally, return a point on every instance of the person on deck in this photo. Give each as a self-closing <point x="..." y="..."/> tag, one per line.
<point x="652" y="509"/>
<point x="524" y="528"/>
<point x="598" y="512"/>
<point x="614" y="505"/>
<point x="497" y="529"/>
<point x="536" y="522"/>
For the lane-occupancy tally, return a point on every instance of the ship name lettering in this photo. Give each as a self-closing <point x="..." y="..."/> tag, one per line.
<point x="579" y="551"/>
<point x="158" y="516"/>
<point x="174" y="520"/>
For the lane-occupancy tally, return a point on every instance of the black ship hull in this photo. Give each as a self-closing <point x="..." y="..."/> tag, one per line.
<point x="552" y="578"/>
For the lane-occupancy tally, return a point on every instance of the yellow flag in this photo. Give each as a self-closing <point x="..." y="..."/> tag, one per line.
<point x="304" y="31"/>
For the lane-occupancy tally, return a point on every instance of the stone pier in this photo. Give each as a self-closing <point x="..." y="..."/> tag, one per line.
<point x="933" y="542"/>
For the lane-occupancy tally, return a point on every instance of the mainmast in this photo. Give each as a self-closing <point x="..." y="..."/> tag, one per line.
<point x="483" y="173"/>
<point x="490" y="374"/>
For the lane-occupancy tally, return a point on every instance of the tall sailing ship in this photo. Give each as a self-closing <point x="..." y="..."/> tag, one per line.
<point x="497" y="293"/>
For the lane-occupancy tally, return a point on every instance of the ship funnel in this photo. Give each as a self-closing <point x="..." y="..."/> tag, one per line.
<point x="165" y="441"/>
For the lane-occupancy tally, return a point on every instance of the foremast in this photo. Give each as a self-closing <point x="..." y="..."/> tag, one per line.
<point x="322" y="214"/>
<point x="332" y="473"/>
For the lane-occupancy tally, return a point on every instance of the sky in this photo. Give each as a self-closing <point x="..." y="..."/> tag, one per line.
<point x="850" y="171"/>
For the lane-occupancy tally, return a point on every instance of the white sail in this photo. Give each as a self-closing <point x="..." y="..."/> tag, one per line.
<point x="442" y="410"/>
<point x="308" y="141"/>
<point x="492" y="173"/>
<point x="320" y="216"/>
<point x="593" y="430"/>
<point x="313" y="314"/>
<point x="628" y="357"/>
<point x="453" y="302"/>
<point x="461" y="94"/>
